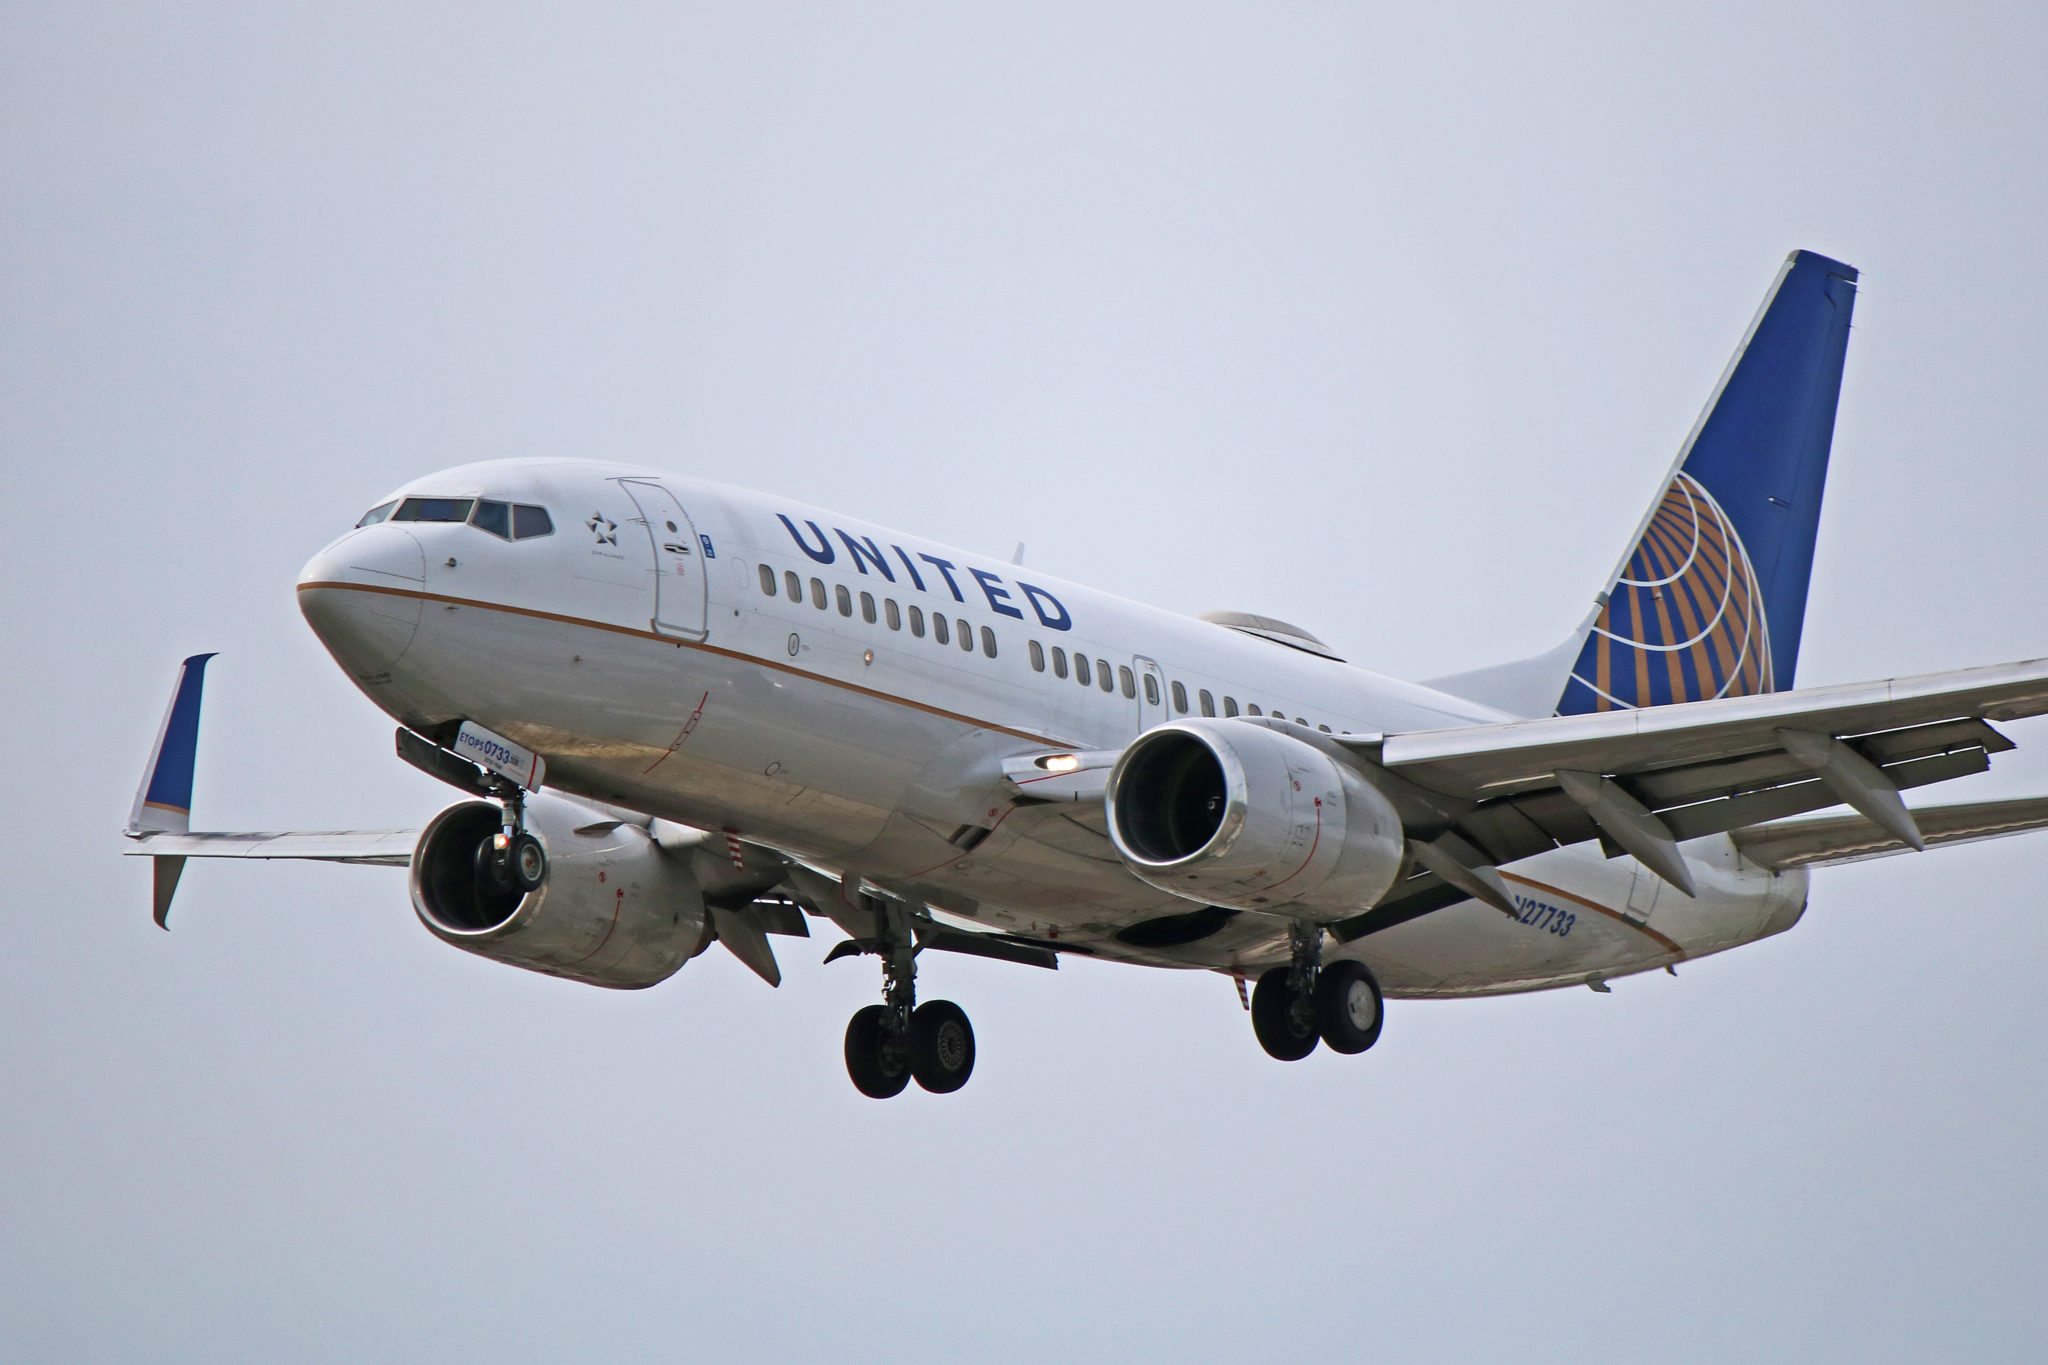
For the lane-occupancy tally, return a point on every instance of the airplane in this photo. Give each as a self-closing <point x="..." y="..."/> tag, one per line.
<point x="682" y="713"/>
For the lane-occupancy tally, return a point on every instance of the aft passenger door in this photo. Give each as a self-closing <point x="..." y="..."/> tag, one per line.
<point x="680" y="588"/>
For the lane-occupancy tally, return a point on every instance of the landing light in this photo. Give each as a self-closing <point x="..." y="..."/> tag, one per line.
<point x="1060" y="763"/>
<point x="501" y="840"/>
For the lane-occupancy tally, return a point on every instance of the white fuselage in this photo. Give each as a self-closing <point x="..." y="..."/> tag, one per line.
<point x="742" y="662"/>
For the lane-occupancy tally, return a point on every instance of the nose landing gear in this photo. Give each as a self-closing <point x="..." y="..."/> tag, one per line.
<point x="1296" y="1006"/>
<point x="890" y="1044"/>
<point x="511" y="860"/>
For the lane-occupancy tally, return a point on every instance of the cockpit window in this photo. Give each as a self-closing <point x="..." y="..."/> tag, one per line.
<point x="433" y="509"/>
<point x="507" y="521"/>
<point x="495" y="517"/>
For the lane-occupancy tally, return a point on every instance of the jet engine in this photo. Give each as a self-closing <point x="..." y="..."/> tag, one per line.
<point x="608" y="906"/>
<point x="1234" y="814"/>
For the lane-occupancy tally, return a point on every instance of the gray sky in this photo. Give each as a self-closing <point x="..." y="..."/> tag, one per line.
<point x="1379" y="320"/>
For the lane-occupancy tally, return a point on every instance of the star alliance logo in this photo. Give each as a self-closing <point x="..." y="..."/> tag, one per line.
<point x="605" y="529"/>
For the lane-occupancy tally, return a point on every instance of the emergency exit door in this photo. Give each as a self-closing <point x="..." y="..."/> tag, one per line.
<point x="1151" y="694"/>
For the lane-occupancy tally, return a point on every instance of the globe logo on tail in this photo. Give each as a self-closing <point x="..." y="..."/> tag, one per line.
<point x="1685" y="620"/>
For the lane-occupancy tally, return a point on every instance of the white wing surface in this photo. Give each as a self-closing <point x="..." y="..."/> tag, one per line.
<point x="379" y="847"/>
<point x="1826" y="841"/>
<point x="1641" y="781"/>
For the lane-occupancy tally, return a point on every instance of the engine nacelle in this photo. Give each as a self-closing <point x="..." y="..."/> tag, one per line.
<point x="613" y="909"/>
<point x="1232" y="813"/>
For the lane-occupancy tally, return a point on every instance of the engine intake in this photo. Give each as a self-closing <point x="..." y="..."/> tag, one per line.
<point x="613" y="909"/>
<point x="1232" y="813"/>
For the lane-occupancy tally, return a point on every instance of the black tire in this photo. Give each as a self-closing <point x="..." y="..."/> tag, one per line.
<point x="1273" y="1018"/>
<point x="876" y="1059"/>
<point x="941" y="1046"/>
<point x="529" y="863"/>
<point x="494" y="868"/>
<point x="1349" y="1009"/>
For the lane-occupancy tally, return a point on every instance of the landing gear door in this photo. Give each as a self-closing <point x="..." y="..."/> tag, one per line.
<point x="679" y="560"/>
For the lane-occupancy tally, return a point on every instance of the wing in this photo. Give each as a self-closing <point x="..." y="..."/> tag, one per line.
<point x="1834" y="839"/>
<point x="160" y="821"/>
<point x="377" y="847"/>
<point x="1641" y="781"/>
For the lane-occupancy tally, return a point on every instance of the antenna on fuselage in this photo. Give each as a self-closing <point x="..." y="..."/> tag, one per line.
<point x="1018" y="558"/>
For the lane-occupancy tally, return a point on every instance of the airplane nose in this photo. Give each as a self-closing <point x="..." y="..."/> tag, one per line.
<point x="362" y="597"/>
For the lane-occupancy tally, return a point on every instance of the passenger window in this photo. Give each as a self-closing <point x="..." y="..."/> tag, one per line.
<point x="1102" y="678"/>
<point x="1208" y="702"/>
<point x="1324" y="728"/>
<point x="767" y="581"/>
<point x="381" y="512"/>
<point x="988" y="642"/>
<point x="845" y="599"/>
<point x="1059" y="662"/>
<point x="894" y="616"/>
<point x="495" y="517"/>
<point x="793" y="584"/>
<point x="818" y="593"/>
<point x="1230" y="706"/>
<point x="1180" y="699"/>
<point x="966" y="635"/>
<point x="1037" y="657"/>
<point x="917" y="622"/>
<point x="867" y="607"/>
<point x="1081" y="670"/>
<point x="529" y="521"/>
<point x="941" y="632"/>
<point x="433" y="509"/>
<point x="1253" y="710"/>
<point x="1151" y="690"/>
<point x="1130" y="683"/>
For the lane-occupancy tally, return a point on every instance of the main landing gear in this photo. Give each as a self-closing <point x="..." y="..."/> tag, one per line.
<point x="890" y="1044"/>
<point x="1296" y="1006"/>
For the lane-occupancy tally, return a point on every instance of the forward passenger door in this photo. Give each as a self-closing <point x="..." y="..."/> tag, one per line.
<point x="679" y="559"/>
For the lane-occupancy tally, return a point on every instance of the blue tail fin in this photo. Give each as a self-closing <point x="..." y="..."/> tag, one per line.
<point x="1711" y="598"/>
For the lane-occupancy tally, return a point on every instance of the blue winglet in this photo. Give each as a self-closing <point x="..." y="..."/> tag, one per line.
<point x="1712" y="598"/>
<point x="164" y="800"/>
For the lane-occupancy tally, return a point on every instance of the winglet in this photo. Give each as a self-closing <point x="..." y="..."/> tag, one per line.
<point x="163" y="803"/>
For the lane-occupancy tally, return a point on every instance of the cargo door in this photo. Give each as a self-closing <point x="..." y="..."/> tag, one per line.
<point x="680" y="589"/>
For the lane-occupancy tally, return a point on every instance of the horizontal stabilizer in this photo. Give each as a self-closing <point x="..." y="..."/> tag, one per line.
<point x="1829" y="840"/>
